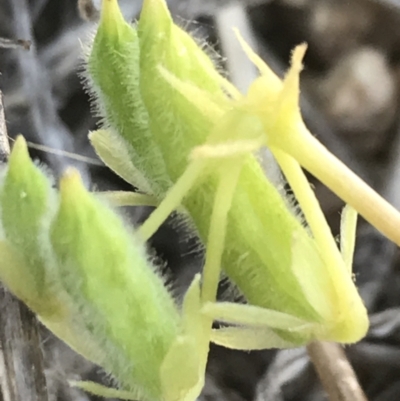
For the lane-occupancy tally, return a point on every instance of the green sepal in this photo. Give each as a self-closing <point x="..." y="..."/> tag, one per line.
<point x="113" y="67"/>
<point x="181" y="377"/>
<point x="175" y="122"/>
<point x="185" y="384"/>
<point x="27" y="202"/>
<point x="124" y="304"/>
<point x="113" y="151"/>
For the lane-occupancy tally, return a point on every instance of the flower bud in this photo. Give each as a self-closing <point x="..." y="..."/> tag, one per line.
<point x="123" y="302"/>
<point x="176" y="124"/>
<point x="113" y="66"/>
<point x="26" y="204"/>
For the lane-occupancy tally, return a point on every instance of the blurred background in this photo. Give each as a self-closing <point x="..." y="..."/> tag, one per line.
<point x="350" y="101"/>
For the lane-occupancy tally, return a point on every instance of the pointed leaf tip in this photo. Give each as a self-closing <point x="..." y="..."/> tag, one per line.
<point x="71" y="185"/>
<point x="298" y="56"/>
<point x="19" y="151"/>
<point x="111" y="17"/>
<point x="154" y="13"/>
<point x="20" y="143"/>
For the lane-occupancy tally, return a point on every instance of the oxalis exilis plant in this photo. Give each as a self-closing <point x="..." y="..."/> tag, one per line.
<point x="178" y="131"/>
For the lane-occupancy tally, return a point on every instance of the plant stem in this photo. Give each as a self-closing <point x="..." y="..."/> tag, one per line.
<point x="217" y="233"/>
<point x="310" y="207"/>
<point x="172" y="200"/>
<point x="215" y="246"/>
<point x="316" y="159"/>
<point x="334" y="370"/>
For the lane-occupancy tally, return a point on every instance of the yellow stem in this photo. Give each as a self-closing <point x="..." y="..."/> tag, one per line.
<point x="315" y="158"/>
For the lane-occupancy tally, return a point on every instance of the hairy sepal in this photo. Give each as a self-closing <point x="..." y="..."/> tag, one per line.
<point x="175" y="123"/>
<point x="113" y="67"/>
<point x="87" y="276"/>
<point x="113" y="150"/>
<point x="124" y="303"/>
<point x="27" y="203"/>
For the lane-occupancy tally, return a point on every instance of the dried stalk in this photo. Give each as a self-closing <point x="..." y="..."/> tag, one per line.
<point x="4" y="146"/>
<point x="335" y="372"/>
<point x="6" y="43"/>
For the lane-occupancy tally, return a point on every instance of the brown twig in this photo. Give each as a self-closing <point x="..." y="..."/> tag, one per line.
<point x="4" y="146"/>
<point x="335" y="372"/>
<point x="21" y="361"/>
<point x="14" y="43"/>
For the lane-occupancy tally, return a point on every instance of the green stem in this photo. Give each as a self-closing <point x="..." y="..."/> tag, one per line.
<point x="328" y="249"/>
<point x="216" y="237"/>
<point x="215" y="246"/>
<point x="125" y="198"/>
<point x="310" y="207"/>
<point x="172" y="200"/>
